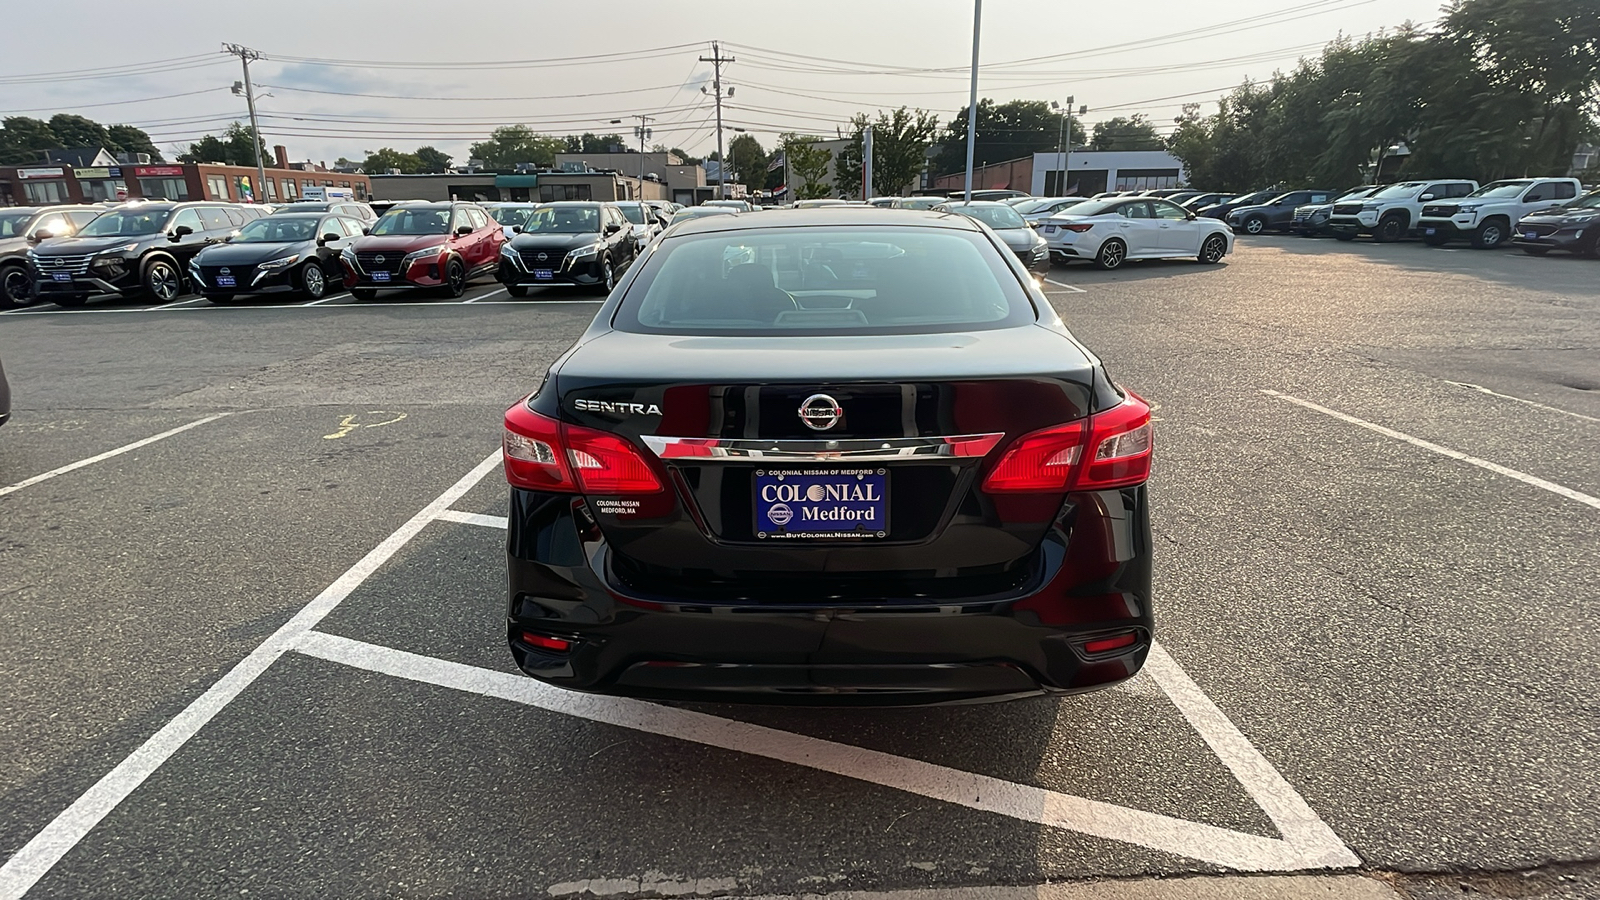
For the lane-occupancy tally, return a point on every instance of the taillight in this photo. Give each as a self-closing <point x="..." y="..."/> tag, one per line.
<point x="1039" y="461"/>
<point x="1079" y="227"/>
<point x="1119" y="447"/>
<point x="543" y="454"/>
<point x="1108" y="450"/>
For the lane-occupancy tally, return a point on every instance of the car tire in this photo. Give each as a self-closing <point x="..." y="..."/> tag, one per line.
<point x="313" y="281"/>
<point x="1389" y="230"/>
<point x="1212" y="249"/>
<point x="1489" y="235"/>
<point x="1343" y="236"/>
<point x="1255" y="225"/>
<point x="16" y="286"/>
<point x="608" y="277"/>
<point x="69" y="301"/>
<point x="1435" y="240"/>
<point x="1536" y="251"/>
<point x="161" y="280"/>
<point x="364" y="293"/>
<point x="455" y="278"/>
<point x="1111" y="254"/>
<point x="517" y="290"/>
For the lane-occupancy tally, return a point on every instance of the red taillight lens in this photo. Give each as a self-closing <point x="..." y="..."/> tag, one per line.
<point x="1110" y="449"/>
<point x="1113" y="643"/>
<point x="1079" y="227"/>
<point x="1120" y="443"/>
<point x="545" y="642"/>
<point x="1040" y="461"/>
<point x="542" y="454"/>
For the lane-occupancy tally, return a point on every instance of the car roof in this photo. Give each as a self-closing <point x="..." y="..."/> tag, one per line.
<point x="825" y="216"/>
<point x="988" y="203"/>
<point x="298" y="214"/>
<point x="574" y="203"/>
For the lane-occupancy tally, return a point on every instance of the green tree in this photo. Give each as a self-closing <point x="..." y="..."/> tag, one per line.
<point x="1005" y="131"/>
<point x="509" y="145"/>
<point x="688" y="158"/>
<point x="1125" y="133"/>
<point x="809" y="164"/>
<point x="77" y="131"/>
<point x="589" y="142"/>
<point x="233" y="148"/>
<point x="128" y="139"/>
<point x="23" y="138"/>
<point x="899" y="151"/>
<point x="432" y="160"/>
<point x="748" y="161"/>
<point x="381" y="161"/>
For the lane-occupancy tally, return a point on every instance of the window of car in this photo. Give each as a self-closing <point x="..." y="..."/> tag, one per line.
<point x="1000" y="216"/>
<point x="1317" y="197"/>
<point x="54" y="223"/>
<point x="216" y="219"/>
<point x="1402" y="189"/>
<point x="237" y="217"/>
<point x="1563" y="190"/>
<point x="1139" y="210"/>
<point x="413" y="220"/>
<point x="127" y="222"/>
<point x="350" y="227"/>
<point x="633" y="213"/>
<point x="816" y="280"/>
<point x="277" y="230"/>
<point x="1502" y="190"/>
<point x="1166" y="210"/>
<point x="480" y="219"/>
<point x="186" y="217"/>
<point x="82" y="217"/>
<point x="563" y="220"/>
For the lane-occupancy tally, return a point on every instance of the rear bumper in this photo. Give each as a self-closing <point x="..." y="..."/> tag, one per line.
<point x="1090" y="580"/>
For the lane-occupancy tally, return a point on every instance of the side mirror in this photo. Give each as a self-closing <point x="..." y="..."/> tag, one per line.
<point x="1426" y="197"/>
<point x="464" y="230"/>
<point x="516" y="229"/>
<point x="330" y="237"/>
<point x="613" y="228"/>
<point x="1192" y="216"/>
<point x="181" y="232"/>
<point x="366" y="231"/>
<point x="40" y="235"/>
<point x="229" y="239"/>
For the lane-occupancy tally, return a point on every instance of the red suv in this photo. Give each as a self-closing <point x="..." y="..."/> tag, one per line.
<point x="423" y="245"/>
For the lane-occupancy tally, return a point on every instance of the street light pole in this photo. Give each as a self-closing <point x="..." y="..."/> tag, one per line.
<point x="972" y="102"/>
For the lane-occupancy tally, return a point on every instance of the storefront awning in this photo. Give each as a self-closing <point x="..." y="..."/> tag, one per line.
<point x="523" y="181"/>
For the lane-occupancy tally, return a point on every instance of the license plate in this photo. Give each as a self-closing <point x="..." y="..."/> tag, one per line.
<point x="543" y="274"/>
<point x="1048" y="229"/>
<point x="226" y="281"/>
<point x="61" y="276"/>
<point x="1530" y="235"/>
<point x="380" y="276"/>
<point x="1429" y="231"/>
<point x="821" y="503"/>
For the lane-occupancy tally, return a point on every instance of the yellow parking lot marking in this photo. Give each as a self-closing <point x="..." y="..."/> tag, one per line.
<point x="348" y="423"/>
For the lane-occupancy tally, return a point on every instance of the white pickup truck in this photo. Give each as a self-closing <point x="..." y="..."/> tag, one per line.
<point x="1392" y="213"/>
<point x="1486" y="216"/>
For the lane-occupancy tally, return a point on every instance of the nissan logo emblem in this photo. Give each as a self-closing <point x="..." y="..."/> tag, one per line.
<point x="224" y="271"/>
<point x="820" y="412"/>
<point x="543" y="257"/>
<point x="378" y="259"/>
<point x="59" y="262"/>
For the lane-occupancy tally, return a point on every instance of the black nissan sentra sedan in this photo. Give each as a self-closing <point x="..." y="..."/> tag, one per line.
<point x="284" y="252"/>
<point x="829" y="457"/>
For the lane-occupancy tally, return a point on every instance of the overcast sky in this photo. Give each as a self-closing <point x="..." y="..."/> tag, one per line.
<point x="804" y="66"/>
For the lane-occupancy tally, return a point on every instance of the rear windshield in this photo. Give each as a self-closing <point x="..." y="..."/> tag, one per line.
<point x="992" y="216"/>
<point x="825" y="281"/>
<point x="632" y="213"/>
<point x="511" y="215"/>
<point x="406" y="220"/>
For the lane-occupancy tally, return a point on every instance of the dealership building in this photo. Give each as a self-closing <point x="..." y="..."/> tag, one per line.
<point x="92" y="175"/>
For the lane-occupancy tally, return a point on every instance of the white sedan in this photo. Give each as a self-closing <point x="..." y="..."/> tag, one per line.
<point x="1109" y="232"/>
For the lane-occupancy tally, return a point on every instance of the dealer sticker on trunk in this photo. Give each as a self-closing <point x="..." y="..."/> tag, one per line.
<point x="821" y="503"/>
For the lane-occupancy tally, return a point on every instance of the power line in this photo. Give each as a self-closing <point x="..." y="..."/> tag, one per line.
<point x="111" y="102"/>
<point x="591" y="59"/>
<point x="280" y="87"/>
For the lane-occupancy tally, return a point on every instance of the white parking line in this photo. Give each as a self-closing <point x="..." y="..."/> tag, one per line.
<point x="466" y="518"/>
<point x="1067" y="287"/>
<point x="1496" y="468"/>
<point x="1483" y="390"/>
<point x="181" y="304"/>
<point x="72" y="467"/>
<point x="484" y="296"/>
<point x="64" y="832"/>
<point x="1307" y="842"/>
<point x="328" y="299"/>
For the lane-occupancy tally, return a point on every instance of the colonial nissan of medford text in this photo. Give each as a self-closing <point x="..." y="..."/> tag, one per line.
<point x="829" y="457"/>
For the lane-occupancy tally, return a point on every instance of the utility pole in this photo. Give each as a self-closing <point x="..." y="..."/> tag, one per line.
<point x="972" y="103"/>
<point x="1066" y="117"/>
<point x="644" y="134"/>
<point x="246" y="56"/>
<point x="716" y="60"/>
<point x="866" y="163"/>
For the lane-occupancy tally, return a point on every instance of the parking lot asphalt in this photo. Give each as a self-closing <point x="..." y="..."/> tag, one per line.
<point x="263" y="654"/>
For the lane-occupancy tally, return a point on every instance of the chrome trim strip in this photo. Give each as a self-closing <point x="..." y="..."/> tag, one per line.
<point x="962" y="446"/>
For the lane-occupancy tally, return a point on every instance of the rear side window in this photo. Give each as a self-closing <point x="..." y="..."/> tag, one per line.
<point x="1564" y="190"/>
<point x="825" y="281"/>
<point x="479" y="220"/>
